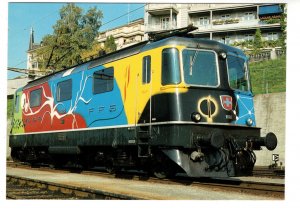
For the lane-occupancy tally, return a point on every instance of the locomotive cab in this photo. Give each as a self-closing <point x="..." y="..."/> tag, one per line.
<point x="207" y="113"/>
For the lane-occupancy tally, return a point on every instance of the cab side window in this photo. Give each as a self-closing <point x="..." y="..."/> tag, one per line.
<point x="170" y="66"/>
<point x="146" y="70"/>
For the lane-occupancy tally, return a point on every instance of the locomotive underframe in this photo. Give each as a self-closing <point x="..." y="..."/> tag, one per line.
<point x="194" y="148"/>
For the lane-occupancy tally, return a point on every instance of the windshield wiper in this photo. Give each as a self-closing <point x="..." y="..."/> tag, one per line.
<point x="192" y="61"/>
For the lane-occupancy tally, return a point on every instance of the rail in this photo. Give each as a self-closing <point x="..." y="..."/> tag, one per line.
<point x="49" y="190"/>
<point x="266" y="189"/>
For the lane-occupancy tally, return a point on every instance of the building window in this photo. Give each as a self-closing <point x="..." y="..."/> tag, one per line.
<point x="203" y="21"/>
<point x="103" y="80"/>
<point x="248" y="37"/>
<point x="249" y="16"/>
<point x="146" y="69"/>
<point x="165" y="23"/>
<point x="225" y="16"/>
<point x="272" y="36"/>
<point x="225" y="40"/>
<point x="35" y="98"/>
<point x="64" y="90"/>
<point x="170" y="66"/>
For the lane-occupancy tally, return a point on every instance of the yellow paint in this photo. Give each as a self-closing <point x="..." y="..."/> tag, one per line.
<point x="210" y="115"/>
<point x="136" y="95"/>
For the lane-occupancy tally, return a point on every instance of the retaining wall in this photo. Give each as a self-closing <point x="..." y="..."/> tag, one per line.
<point x="270" y="116"/>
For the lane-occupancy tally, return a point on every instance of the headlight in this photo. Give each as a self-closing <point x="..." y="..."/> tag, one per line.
<point x="196" y="117"/>
<point x="223" y="55"/>
<point x="249" y="122"/>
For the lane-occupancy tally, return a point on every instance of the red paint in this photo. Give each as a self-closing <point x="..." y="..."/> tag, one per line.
<point x="39" y="118"/>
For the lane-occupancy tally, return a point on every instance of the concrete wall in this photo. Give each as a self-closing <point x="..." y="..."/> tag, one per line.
<point x="270" y="116"/>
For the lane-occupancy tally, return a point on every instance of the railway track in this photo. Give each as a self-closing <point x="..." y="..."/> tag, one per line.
<point x="25" y="188"/>
<point x="273" y="190"/>
<point x="20" y="188"/>
<point x="269" y="172"/>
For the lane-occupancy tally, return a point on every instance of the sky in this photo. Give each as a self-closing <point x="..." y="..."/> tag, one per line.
<point x="42" y="16"/>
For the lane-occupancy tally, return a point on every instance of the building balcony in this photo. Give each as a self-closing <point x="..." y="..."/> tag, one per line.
<point x="199" y="8"/>
<point x="159" y="27"/>
<point x="159" y="6"/>
<point x="161" y="9"/>
<point x="234" y="24"/>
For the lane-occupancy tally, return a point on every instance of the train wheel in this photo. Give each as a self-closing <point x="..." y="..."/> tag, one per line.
<point x="58" y="161"/>
<point x="15" y="155"/>
<point x="109" y="167"/>
<point x="164" y="167"/>
<point x="162" y="172"/>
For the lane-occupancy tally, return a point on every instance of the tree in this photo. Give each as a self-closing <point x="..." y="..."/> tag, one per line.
<point x="257" y="43"/>
<point x="110" y="44"/>
<point x="95" y="51"/>
<point x="73" y="34"/>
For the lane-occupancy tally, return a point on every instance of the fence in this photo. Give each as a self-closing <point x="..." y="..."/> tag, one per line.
<point x="266" y="54"/>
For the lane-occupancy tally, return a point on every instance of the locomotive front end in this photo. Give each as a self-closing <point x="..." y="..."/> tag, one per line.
<point x="213" y="131"/>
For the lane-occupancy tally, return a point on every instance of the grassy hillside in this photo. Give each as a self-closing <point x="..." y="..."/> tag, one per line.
<point x="268" y="76"/>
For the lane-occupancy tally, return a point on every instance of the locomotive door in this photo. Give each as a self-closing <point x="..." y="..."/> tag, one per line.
<point x="146" y="88"/>
<point x="144" y="110"/>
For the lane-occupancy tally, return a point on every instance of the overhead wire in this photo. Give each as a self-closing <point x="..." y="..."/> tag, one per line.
<point x="123" y="15"/>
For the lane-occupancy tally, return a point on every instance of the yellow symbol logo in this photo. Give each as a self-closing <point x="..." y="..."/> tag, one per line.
<point x="208" y="108"/>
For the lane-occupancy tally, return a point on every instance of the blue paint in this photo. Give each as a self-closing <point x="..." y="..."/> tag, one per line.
<point x="104" y="109"/>
<point x="245" y="108"/>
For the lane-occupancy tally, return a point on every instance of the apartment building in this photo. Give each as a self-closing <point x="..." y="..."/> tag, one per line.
<point x="227" y="23"/>
<point x="125" y="35"/>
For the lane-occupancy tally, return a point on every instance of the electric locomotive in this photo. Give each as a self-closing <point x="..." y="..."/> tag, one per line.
<point x="174" y="104"/>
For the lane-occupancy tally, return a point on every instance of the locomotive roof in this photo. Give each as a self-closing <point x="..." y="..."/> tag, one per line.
<point x="145" y="46"/>
<point x="194" y="43"/>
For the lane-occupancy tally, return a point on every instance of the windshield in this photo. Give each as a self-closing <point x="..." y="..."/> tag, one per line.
<point x="237" y="72"/>
<point x="200" y="67"/>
